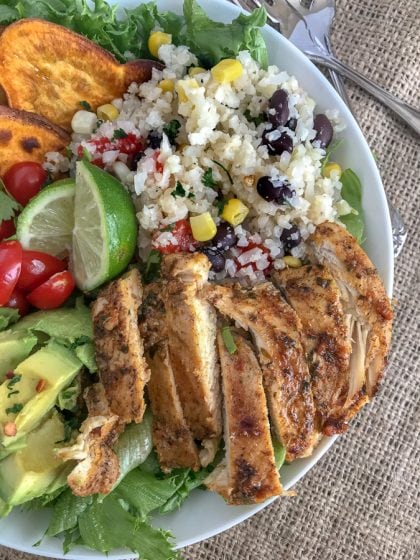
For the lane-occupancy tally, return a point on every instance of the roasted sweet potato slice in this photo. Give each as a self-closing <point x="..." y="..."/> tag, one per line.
<point x="27" y="137"/>
<point x="48" y="69"/>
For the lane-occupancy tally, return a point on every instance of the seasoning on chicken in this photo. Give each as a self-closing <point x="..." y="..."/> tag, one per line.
<point x="119" y="349"/>
<point x="248" y="474"/>
<point x="365" y="303"/>
<point x="314" y="295"/>
<point x="276" y="330"/>
<point x="172" y="437"/>
<point x="98" y="468"/>
<point x="191" y="331"/>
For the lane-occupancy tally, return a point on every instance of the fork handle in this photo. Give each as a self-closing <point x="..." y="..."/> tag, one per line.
<point x="408" y="114"/>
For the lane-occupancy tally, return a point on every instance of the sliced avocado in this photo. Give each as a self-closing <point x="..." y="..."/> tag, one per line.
<point x="14" y="348"/>
<point x="66" y="325"/>
<point x="35" y="470"/>
<point x="5" y="509"/>
<point x="33" y="391"/>
<point x="8" y="316"/>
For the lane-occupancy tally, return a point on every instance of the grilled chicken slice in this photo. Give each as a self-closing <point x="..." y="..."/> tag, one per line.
<point x="275" y="328"/>
<point x="365" y="303"/>
<point x="119" y="349"/>
<point x="249" y="474"/>
<point x="98" y="468"/>
<point x="315" y="296"/>
<point x="191" y="331"/>
<point x="172" y="437"/>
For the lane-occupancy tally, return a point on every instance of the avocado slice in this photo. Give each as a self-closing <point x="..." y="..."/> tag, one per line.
<point x="35" y="470"/>
<point x="14" y="348"/>
<point x="5" y="509"/>
<point x="27" y="397"/>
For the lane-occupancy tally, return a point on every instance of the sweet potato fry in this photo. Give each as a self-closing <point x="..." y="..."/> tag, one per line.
<point x="27" y="137"/>
<point x="48" y="69"/>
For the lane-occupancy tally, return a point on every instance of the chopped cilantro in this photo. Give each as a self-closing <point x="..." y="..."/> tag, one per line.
<point x="151" y="269"/>
<point x="224" y="169"/>
<point x="13" y="380"/>
<point x="178" y="191"/>
<point x="86" y="106"/>
<point x="228" y="340"/>
<point x="119" y="133"/>
<point x="169" y="227"/>
<point x="259" y="119"/>
<point x="15" y="409"/>
<point x="171" y="130"/>
<point x="191" y="195"/>
<point x="220" y="203"/>
<point x="208" y="179"/>
<point x="8" y="206"/>
<point x="12" y="393"/>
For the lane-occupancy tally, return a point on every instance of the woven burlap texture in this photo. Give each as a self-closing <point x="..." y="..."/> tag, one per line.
<point x="361" y="502"/>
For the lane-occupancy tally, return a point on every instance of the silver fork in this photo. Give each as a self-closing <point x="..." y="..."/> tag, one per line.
<point x="291" y="18"/>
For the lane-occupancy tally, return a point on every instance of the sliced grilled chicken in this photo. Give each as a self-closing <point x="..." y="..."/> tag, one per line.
<point x="365" y="303"/>
<point x="98" y="468"/>
<point x="275" y="328"/>
<point x="118" y="347"/>
<point x="315" y="296"/>
<point x="191" y="331"/>
<point x="172" y="437"/>
<point x="249" y="474"/>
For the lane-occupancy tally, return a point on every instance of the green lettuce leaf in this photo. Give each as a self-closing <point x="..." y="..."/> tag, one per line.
<point x="279" y="453"/>
<point x="126" y="37"/>
<point x="8" y="316"/>
<point x="351" y="192"/>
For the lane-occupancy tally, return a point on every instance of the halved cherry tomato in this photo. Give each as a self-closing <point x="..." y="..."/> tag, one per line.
<point x="53" y="292"/>
<point x="7" y="229"/>
<point x="24" y="180"/>
<point x="183" y="239"/>
<point x="10" y="266"/>
<point x="37" y="267"/>
<point x="18" y="301"/>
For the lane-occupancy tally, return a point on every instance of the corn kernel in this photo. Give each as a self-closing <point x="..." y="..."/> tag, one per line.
<point x="235" y="211"/>
<point x="203" y="227"/>
<point x="330" y="167"/>
<point x="83" y="122"/>
<point x="156" y="40"/>
<point x="107" y="112"/>
<point x="182" y="88"/>
<point x="292" y="262"/>
<point x="194" y="70"/>
<point x="227" y="70"/>
<point x="166" y="85"/>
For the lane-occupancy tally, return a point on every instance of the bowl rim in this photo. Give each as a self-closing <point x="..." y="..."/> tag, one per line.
<point x="387" y="277"/>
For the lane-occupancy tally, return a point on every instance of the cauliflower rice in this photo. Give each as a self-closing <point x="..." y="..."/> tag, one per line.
<point x="215" y="127"/>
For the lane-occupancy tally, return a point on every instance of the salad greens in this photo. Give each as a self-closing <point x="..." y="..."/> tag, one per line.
<point x="352" y="193"/>
<point x="8" y="317"/>
<point x="126" y="34"/>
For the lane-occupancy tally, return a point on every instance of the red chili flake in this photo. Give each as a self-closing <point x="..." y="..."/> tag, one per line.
<point x="10" y="429"/>
<point x="40" y="386"/>
<point x="10" y="375"/>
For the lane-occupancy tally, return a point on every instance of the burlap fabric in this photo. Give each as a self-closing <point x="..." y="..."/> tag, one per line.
<point x="361" y="502"/>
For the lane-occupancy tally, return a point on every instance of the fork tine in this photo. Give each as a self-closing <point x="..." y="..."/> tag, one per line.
<point x="256" y="4"/>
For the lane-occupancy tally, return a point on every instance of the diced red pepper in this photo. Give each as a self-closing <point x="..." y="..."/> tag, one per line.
<point x="182" y="234"/>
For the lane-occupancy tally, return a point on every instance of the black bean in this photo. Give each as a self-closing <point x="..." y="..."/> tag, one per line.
<point x="154" y="140"/>
<point x="290" y="238"/>
<point x="278" y="108"/>
<point x="324" y="130"/>
<point x="281" y="143"/>
<point x="133" y="161"/>
<point x="225" y="236"/>
<point x="292" y="124"/>
<point x="274" y="190"/>
<point x="215" y="257"/>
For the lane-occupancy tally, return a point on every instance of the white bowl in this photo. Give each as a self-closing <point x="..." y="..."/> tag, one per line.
<point x="205" y="514"/>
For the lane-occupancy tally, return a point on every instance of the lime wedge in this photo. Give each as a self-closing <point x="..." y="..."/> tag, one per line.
<point x="46" y="223"/>
<point x="105" y="227"/>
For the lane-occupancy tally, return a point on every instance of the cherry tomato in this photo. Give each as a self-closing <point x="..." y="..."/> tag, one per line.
<point x="24" y="180"/>
<point x="53" y="292"/>
<point x="18" y="301"/>
<point x="10" y="267"/>
<point x="37" y="267"/>
<point x="7" y="229"/>
<point x="183" y="239"/>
